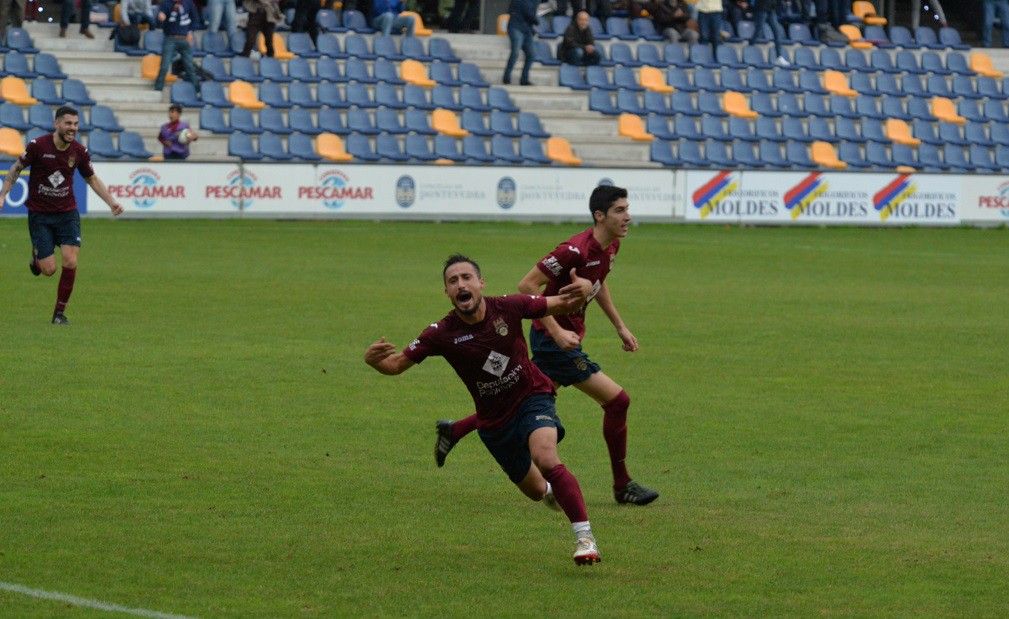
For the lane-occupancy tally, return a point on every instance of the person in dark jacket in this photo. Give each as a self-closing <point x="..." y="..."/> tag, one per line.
<point x="178" y="18"/>
<point x="578" y="47"/>
<point x="671" y="19"/>
<point x="521" y="21"/>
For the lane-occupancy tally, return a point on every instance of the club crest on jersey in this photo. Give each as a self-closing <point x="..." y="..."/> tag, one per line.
<point x="496" y="363"/>
<point x="501" y="326"/>
<point x="71" y="160"/>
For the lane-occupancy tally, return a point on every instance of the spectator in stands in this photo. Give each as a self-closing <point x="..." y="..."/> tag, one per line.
<point x="709" y="19"/>
<point x="12" y="11"/>
<point x="305" y="12"/>
<point x="178" y="18"/>
<point x="521" y="21"/>
<point x="671" y="18"/>
<point x="68" y="10"/>
<point x="990" y="6"/>
<point x="176" y="134"/>
<point x="385" y="17"/>
<point x="136" y="12"/>
<point x="578" y="47"/>
<point x="600" y="9"/>
<point x="766" y="12"/>
<point x="464" y="13"/>
<point x="737" y="11"/>
<point x="225" y="9"/>
<point x="264" y="15"/>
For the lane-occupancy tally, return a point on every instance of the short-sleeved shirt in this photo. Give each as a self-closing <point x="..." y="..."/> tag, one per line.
<point x="51" y="180"/>
<point x="490" y="356"/>
<point x="583" y="253"/>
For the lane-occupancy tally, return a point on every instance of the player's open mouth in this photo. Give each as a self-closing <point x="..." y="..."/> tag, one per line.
<point x="463" y="296"/>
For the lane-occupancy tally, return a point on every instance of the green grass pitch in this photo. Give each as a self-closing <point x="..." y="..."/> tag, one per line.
<point x="825" y="412"/>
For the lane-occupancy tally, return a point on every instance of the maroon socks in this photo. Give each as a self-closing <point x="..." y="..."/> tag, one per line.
<point x="615" y="433"/>
<point x="568" y="493"/>
<point x="463" y="427"/>
<point x="66" y="287"/>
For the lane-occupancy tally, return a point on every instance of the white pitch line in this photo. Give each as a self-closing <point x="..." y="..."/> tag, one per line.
<point x="79" y="601"/>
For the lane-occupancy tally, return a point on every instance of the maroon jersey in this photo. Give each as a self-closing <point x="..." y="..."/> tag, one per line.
<point x="51" y="181"/>
<point x="583" y="253"/>
<point x="490" y="357"/>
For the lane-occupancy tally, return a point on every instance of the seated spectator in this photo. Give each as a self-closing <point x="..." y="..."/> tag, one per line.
<point x="671" y="18"/>
<point x="136" y="12"/>
<point x="386" y="18"/>
<point x="578" y="47"/>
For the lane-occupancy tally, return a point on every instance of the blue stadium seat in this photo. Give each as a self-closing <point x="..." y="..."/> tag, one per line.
<point x="820" y="129"/>
<point x="767" y="129"/>
<point x="659" y="127"/>
<point x="925" y="131"/>
<point x="16" y="63"/>
<point x="809" y="82"/>
<point x="955" y="62"/>
<point x="354" y="20"/>
<point x="243" y="121"/>
<point x="474" y="149"/>
<point x="926" y="37"/>
<point x="645" y="29"/>
<point x="718" y="154"/>
<point x="571" y="77"/>
<point x="907" y="62"/>
<point x="881" y="61"/>
<point x="757" y="81"/>
<point x="301" y="147"/>
<point x="503" y="149"/>
<point x="623" y="77"/>
<point x="919" y="108"/>
<point x="132" y="146"/>
<point x="300" y="44"/>
<point x="331" y="121"/>
<point x="800" y="34"/>
<point x="45" y="91"/>
<point x="152" y="42"/>
<point x="794" y="129"/>
<point x="702" y="56"/>
<point x="690" y="154"/>
<point x="877" y="36"/>
<point x="330" y="93"/>
<point x="817" y="106"/>
<point x="1002" y="157"/>
<point x="683" y="103"/>
<point x="954" y="157"/>
<point x="995" y="111"/>
<point x="713" y="129"/>
<point x="385" y="47"/>
<point x="40" y="116"/>
<point x="620" y="28"/>
<point x="872" y="131"/>
<point x="501" y="123"/>
<point x="912" y="86"/>
<point x="413" y="47"/>
<point x="271" y="146"/>
<point x="299" y="120"/>
<point x="743" y="154"/>
<point x="102" y="117"/>
<point x="387" y="121"/>
<point x="630" y="102"/>
<point x="529" y="124"/>
<point x="19" y="40"/>
<point x="847" y="129"/>
<point x="329" y="70"/>
<point x="212" y="119"/>
<point x="977" y="133"/>
<point x="877" y="156"/>
<point x="598" y="32"/>
<point x="805" y="58"/>
<point x="862" y="83"/>
<point x="951" y="134"/>
<point x="932" y="63"/>
<point x="35" y="133"/>
<point x="272" y="120"/>
<point x="417" y="97"/>
<point x="855" y="60"/>
<point x="358" y="95"/>
<point x="1000" y="134"/>
<point x="797" y="154"/>
<point x="789" y="105"/>
<point x="328" y="21"/>
<point x="387" y="95"/>
<point x="675" y="55"/>
<point x="47" y="66"/>
<point x="648" y="54"/>
<point x="300" y="70"/>
<point x="473" y="122"/>
<point x="770" y="154"/>
<point x="359" y="72"/>
<point x="726" y="56"/>
<point x="13" y="116"/>
<point x="356" y="46"/>
<point x="657" y="103"/>
<point x="761" y="103"/>
<point x="963" y="86"/>
<point x="784" y="81"/>
<point x="389" y="147"/>
<point x="184" y="94"/>
<point x="851" y="153"/>
<point x="887" y="85"/>
<point x="969" y="109"/>
<point x="271" y="69"/>
<point x="101" y="145"/>
<point x="273" y="95"/>
<point x="601" y="101"/>
<point x="621" y="55"/>
<point x="499" y="99"/>
<point x="444" y="97"/>
<point x="448" y="147"/>
<point x="216" y="45"/>
<point x="471" y="97"/>
<point x="470" y="74"/>
<point x="543" y="54"/>
<point x="598" y="77"/>
<point x="679" y="80"/>
<point x="950" y="38"/>
<point x="929" y="159"/>
<point x="867" y="107"/>
<point x="831" y="59"/>
<point x="753" y="57"/>
<point x="661" y="152"/>
<point x="417" y="147"/>
<point x="417" y="121"/>
<point x="706" y="81"/>
<point x="360" y="147"/>
<point x="685" y="128"/>
<point x="329" y="46"/>
<point x="744" y="32"/>
<point x="243" y="69"/>
<point x="733" y="80"/>
<point x="214" y="66"/>
<point x="385" y="71"/>
<point x="843" y="106"/>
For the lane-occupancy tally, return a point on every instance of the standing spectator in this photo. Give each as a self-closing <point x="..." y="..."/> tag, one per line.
<point x="177" y="17"/>
<point x="385" y="17"/>
<point x="990" y="6"/>
<point x="521" y="21"/>
<point x="766" y="11"/>
<point x="304" y="18"/>
<point x="578" y="45"/>
<point x="264" y="15"/>
<point x="671" y="18"/>
<point x="709" y="19"/>
<point x="600" y="9"/>
<point x="136" y="12"/>
<point x="68" y="10"/>
<point x="13" y="11"/>
<point x="464" y="12"/>
<point x="223" y="9"/>
<point x="176" y="134"/>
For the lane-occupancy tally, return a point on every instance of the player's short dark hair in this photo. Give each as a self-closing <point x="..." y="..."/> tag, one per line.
<point x="175" y="107"/>
<point x="603" y="197"/>
<point x="456" y="259"/>
<point x="65" y="110"/>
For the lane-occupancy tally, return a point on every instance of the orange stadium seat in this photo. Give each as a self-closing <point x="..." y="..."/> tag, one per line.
<point x="559" y="150"/>
<point x="944" y="110"/>
<point x="443" y="161"/>
<point x="823" y="154"/>
<point x="855" y="37"/>
<point x="446" y="122"/>
<point x="631" y="126"/>
<point x="898" y="131"/>
<point x="149" y="67"/>
<point x="11" y="142"/>
<point x="502" y="24"/>
<point x="654" y="80"/>
<point x="280" y="51"/>
<point x="905" y="169"/>
<point x="330" y="146"/>
<point x="413" y="72"/>
<point x="980" y="62"/>
<point x="244" y="95"/>
<point x="837" y="84"/>
<point x="735" y="104"/>
<point x="419" y="29"/>
<point x="867" y="13"/>
<point x="14" y="90"/>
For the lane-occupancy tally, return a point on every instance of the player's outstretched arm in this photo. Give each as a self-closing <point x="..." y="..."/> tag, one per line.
<point x="606" y="304"/>
<point x="570" y="298"/>
<point x="12" y="176"/>
<point x="103" y="193"/>
<point x="382" y="356"/>
<point x="533" y="283"/>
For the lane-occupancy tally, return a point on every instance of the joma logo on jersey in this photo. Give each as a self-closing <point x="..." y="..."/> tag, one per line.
<point x="501" y="326"/>
<point x="495" y="364"/>
<point x="463" y="338"/>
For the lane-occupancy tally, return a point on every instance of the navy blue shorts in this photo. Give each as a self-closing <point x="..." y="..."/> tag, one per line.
<point x="564" y="367"/>
<point x="51" y="229"/>
<point x="510" y="444"/>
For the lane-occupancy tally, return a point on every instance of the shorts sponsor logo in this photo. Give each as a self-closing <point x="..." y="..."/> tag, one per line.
<point x="998" y="203"/>
<point x="552" y="265"/>
<point x="243" y="190"/>
<point x="507" y="192"/>
<point x="496" y="363"/>
<point x="544" y="418"/>
<point x="406" y="191"/>
<point x="335" y="190"/>
<point x="709" y="195"/>
<point x="145" y="189"/>
<point x="501" y="326"/>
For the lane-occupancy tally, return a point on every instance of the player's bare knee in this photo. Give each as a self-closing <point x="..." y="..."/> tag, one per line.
<point x="545" y="459"/>
<point x="47" y="269"/>
<point x="69" y="263"/>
